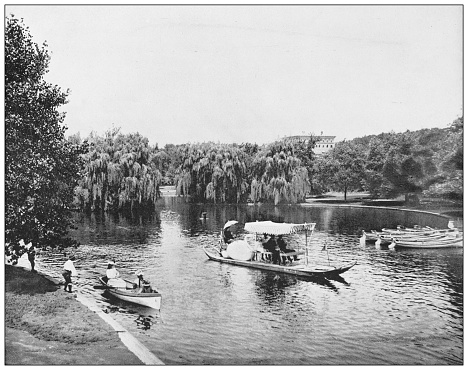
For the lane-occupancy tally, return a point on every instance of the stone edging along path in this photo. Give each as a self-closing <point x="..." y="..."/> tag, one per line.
<point x="127" y="339"/>
<point x="133" y="344"/>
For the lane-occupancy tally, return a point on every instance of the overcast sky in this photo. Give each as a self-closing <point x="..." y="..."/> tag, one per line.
<point x="179" y="74"/>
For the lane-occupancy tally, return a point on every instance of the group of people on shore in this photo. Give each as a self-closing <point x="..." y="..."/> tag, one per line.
<point x="14" y="252"/>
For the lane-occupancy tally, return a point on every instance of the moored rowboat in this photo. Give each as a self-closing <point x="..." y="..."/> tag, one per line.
<point x="446" y="242"/>
<point x="131" y="293"/>
<point x="420" y="237"/>
<point x="412" y="238"/>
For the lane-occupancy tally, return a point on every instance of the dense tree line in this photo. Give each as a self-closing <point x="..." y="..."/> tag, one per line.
<point x="426" y="162"/>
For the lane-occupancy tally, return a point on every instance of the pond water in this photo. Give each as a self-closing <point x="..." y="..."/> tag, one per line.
<point x="402" y="307"/>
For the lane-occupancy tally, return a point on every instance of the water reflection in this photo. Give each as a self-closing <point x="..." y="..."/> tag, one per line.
<point x="273" y="285"/>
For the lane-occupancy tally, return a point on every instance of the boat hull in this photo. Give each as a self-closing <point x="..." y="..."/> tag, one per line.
<point x="152" y="300"/>
<point x="440" y="243"/>
<point x="298" y="270"/>
<point x="434" y="237"/>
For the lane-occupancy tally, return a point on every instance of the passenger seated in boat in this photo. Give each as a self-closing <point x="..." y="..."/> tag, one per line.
<point x="265" y="240"/>
<point x="227" y="236"/>
<point x="112" y="272"/>
<point x="272" y="247"/>
<point x="146" y="288"/>
<point x="282" y="246"/>
<point x="113" y="276"/>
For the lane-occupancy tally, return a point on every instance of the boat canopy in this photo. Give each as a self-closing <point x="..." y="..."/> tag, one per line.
<point x="274" y="228"/>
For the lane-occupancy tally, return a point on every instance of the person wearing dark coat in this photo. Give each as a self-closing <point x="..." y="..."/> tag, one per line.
<point x="227" y="235"/>
<point x="282" y="245"/>
<point x="31" y="257"/>
<point x="272" y="247"/>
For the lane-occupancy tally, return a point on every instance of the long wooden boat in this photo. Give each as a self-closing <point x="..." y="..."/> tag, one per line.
<point x="248" y="252"/>
<point x="386" y="237"/>
<point x="412" y="238"/>
<point x="420" y="230"/>
<point x="298" y="269"/>
<point x="133" y="294"/>
<point x="447" y="242"/>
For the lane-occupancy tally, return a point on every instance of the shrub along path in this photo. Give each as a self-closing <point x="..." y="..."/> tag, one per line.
<point x="44" y="325"/>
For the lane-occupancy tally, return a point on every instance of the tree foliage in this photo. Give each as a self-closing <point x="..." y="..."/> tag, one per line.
<point x="121" y="173"/>
<point x="342" y="169"/>
<point x="213" y="172"/>
<point x="41" y="166"/>
<point x="446" y="178"/>
<point x="278" y="175"/>
<point x="427" y="161"/>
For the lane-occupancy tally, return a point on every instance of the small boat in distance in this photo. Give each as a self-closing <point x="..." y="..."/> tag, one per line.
<point x="250" y="253"/>
<point x="418" y="237"/>
<point x="134" y="294"/>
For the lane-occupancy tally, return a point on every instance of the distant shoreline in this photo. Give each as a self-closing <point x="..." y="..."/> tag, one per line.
<point x="442" y="208"/>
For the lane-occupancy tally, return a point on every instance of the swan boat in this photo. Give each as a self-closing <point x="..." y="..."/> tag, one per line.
<point x="130" y="292"/>
<point x="250" y="253"/>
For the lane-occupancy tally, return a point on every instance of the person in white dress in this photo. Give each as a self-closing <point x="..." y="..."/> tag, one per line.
<point x="113" y="276"/>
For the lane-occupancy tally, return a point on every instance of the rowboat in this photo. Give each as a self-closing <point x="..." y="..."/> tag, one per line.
<point x="416" y="230"/>
<point x="445" y="242"/>
<point x="412" y="238"/>
<point x="132" y="293"/>
<point x="250" y="253"/>
<point x="420" y="237"/>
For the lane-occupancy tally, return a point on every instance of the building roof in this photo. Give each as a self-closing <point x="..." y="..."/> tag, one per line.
<point x="306" y="137"/>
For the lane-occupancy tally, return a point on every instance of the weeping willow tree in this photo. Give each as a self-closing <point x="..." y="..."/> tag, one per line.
<point x="278" y="175"/>
<point x="213" y="172"/>
<point x="120" y="174"/>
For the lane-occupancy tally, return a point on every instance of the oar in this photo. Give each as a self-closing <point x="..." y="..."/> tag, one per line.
<point x="100" y="287"/>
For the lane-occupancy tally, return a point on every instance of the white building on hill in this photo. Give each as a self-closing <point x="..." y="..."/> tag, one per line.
<point x="323" y="144"/>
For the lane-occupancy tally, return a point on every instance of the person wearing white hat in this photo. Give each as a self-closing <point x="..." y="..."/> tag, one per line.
<point x="139" y="280"/>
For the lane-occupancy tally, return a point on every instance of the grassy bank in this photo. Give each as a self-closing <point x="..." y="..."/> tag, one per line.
<point x="46" y="326"/>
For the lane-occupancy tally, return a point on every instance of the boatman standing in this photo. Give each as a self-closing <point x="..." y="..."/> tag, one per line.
<point x="139" y="280"/>
<point x="69" y="271"/>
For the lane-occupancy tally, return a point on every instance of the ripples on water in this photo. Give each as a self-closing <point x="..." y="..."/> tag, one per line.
<point x="394" y="307"/>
